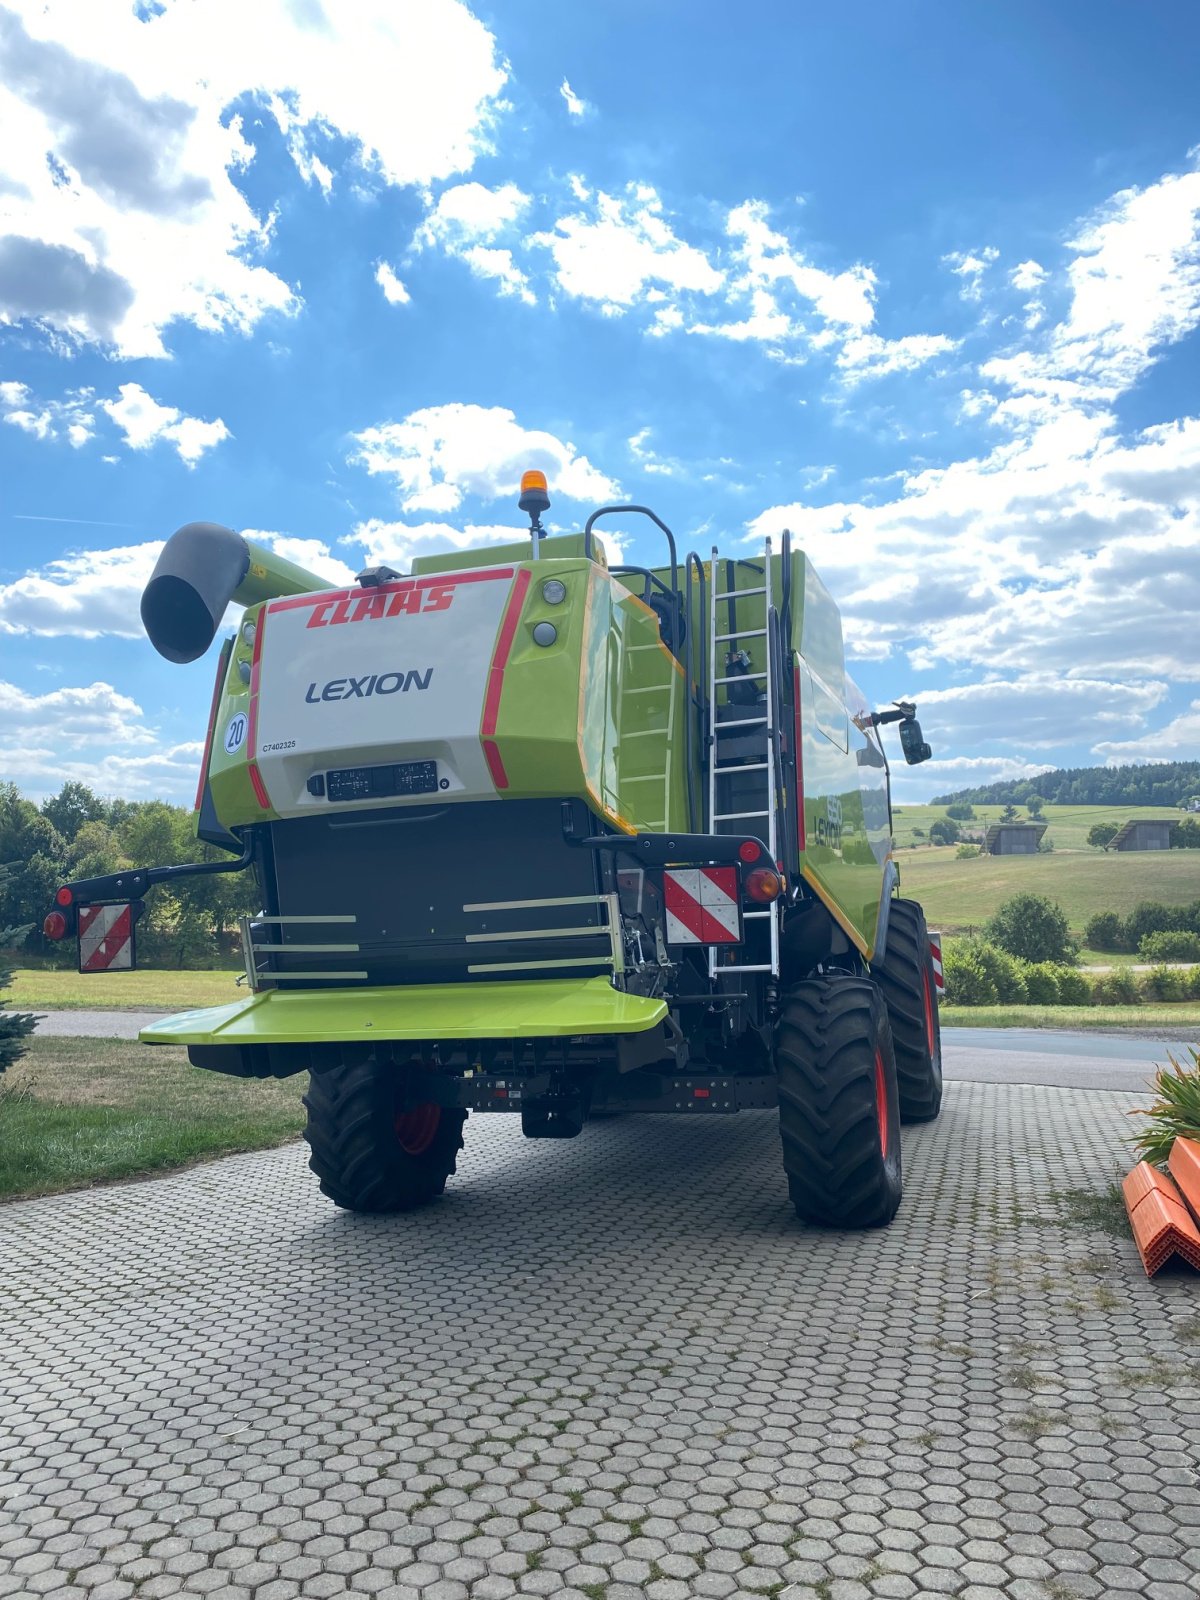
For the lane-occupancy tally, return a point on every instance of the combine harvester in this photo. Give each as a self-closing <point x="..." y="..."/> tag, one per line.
<point x="539" y="835"/>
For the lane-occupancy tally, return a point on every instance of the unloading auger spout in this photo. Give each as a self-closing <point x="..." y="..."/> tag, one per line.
<point x="201" y="569"/>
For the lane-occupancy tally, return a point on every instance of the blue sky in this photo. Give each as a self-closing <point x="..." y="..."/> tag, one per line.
<point x="920" y="282"/>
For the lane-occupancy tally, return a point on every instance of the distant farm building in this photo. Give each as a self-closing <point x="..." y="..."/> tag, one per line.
<point x="1148" y="834"/>
<point x="1014" y="838"/>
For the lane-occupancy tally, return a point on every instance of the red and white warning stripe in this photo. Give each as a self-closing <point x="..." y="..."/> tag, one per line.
<point x="105" y="938"/>
<point x="935" y="950"/>
<point x="702" y="905"/>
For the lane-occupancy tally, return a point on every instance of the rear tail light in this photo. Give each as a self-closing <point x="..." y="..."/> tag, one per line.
<point x="749" y="850"/>
<point x="55" y="925"/>
<point x="763" y="885"/>
<point x="64" y="896"/>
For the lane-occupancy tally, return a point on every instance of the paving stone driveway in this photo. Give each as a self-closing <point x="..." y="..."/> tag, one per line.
<point x="615" y="1367"/>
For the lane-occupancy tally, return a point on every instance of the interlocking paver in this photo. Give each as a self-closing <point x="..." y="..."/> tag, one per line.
<point x="612" y="1366"/>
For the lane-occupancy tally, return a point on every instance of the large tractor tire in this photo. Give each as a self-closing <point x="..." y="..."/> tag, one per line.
<point x="905" y="975"/>
<point x="369" y="1153"/>
<point x="839" y="1111"/>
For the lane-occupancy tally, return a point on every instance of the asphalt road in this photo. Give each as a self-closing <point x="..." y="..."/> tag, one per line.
<point x="1055" y="1059"/>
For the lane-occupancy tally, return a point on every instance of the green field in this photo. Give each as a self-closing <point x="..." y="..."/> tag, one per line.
<point x="1068" y="825"/>
<point x="48" y="989"/>
<point x="1177" y="1021"/>
<point x="82" y="1111"/>
<point x="959" y="896"/>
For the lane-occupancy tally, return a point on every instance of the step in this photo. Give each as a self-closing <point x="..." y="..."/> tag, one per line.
<point x="721" y="816"/>
<point x="740" y="677"/>
<point x="742" y="633"/>
<point x="729" y="772"/>
<point x="739" y="594"/>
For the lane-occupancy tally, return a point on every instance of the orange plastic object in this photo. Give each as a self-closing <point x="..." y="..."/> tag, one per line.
<point x="1184" y="1162"/>
<point x="1160" y="1221"/>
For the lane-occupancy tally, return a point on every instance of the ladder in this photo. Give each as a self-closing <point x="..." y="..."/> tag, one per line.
<point x="758" y="811"/>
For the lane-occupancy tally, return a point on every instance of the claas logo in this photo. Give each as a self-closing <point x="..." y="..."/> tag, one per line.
<point x="380" y="603"/>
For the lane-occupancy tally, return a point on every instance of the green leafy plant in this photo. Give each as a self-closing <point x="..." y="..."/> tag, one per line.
<point x="1005" y="971"/>
<point x="1034" y="929"/>
<point x="1104" y="931"/>
<point x="1172" y="945"/>
<point x="1115" y="989"/>
<point x="1041" y="984"/>
<point x="967" y="852"/>
<point x="1073" y="987"/>
<point x="1175" y="1113"/>
<point x="1164" y="983"/>
<point x="968" y="983"/>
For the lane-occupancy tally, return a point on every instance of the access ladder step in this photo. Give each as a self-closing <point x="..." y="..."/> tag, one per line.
<point x="740" y="677"/>
<point x="739" y="594"/>
<point x="732" y="816"/>
<point x="742" y="633"/>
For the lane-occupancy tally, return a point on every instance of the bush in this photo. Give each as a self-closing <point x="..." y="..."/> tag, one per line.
<point x="1192" y="982"/>
<point x="1041" y="983"/>
<point x="1152" y="917"/>
<point x="1170" y="947"/>
<point x="1185" y="835"/>
<point x="1176" y="1112"/>
<point x="1045" y="845"/>
<point x="1163" y="983"/>
<point x="1104" y="931"/>
<point x="1034" y="929"/>
<point x="943" y="831"/>
<point x="961" y="811"/>
<point x="967" y="981"/>
<point x="967" y="852"/>
<point x="1115" y="989"/>
<point x="1005" y="972"/>
<point x="1073" y="987"/>
<point x="1102" y="833"/>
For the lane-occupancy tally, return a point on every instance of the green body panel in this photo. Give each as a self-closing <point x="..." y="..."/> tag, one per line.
<point x="540" y="1009"/>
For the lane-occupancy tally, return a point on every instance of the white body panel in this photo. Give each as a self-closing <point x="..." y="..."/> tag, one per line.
<point x="365" y="677"/>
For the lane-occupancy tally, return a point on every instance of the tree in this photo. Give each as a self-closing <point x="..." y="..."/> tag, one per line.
<point x="1105" y="931"/>
<point x="962" y="812"/>
<point x="71" y="807"/>
<point x="1009" y="814"/>
<point x="1102" y="833"/>
<point x="15" y="1027"/>
<point x="1185" y="835"/>
<point x="1033" y="928"/>
<point x="944" y="831"/>
<point x="1035" y="805"/>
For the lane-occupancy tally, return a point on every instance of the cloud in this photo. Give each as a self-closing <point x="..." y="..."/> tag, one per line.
<point x="439" y="454"/>
<point x="621" y="249"/>
<point x="74" y="717"/>
<point x="71" y="418"/>
<point x="576" y="106"/>
<point x="867" y="355"/>
<point x="1037" y="710"/>
<point x="394" y="291"/>
<point x="120" y="149"/>
<point x="970" y="267"/>
<point x="1176" y="740"/>
<point x="912" y="785"/>
<point x="1069" y="546"/>
<point x="469" y="214"/>
<point x="396" y="543"/>
<point x="92" y="593"/>
<point x="144" y="422"/>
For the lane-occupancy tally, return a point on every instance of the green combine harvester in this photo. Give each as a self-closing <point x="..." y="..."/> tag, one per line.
<point x="538" y="835"/>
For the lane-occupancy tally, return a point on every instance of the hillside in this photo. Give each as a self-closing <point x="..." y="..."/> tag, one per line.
<point x="959" y="896"/>
<point x="1166" y="783"/>
<point x="1068" y="825"/>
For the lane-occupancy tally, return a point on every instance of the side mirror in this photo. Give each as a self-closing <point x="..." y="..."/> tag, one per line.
<point x="912" y="742"/>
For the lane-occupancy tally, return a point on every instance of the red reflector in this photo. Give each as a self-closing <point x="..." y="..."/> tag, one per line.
<point x="764" y="885"/>
<point x="748" y="850"/>
<point x="63" y="897"/>
<point x="55" y="926"/>
<point x="701" y="1094"/>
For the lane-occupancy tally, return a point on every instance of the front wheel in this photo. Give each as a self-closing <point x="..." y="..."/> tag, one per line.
<point x="369" y="1149"/>
<point x="839" y="1109"/>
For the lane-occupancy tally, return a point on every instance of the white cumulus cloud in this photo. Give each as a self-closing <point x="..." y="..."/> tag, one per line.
<point x="439" y="454"/>
<point x="576" y="106"/>
<point x="144" y="422"/>
<point x="394" y="291"/>
<point x="120" y="152"/>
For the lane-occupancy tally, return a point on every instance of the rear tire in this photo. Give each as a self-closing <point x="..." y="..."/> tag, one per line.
<point x="905" y="976"/>
<point x="839" y="1110"/>
<point x="368" y="1152"/>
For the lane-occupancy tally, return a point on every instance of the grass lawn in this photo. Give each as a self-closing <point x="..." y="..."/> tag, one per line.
<point x="1178" y="1021"/>
<point x="74" y="1112"/>
<point x="45" y="989"/>
<point x="961" y="895"/>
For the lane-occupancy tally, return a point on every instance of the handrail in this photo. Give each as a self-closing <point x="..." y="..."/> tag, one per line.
<point x="645" y="511"/>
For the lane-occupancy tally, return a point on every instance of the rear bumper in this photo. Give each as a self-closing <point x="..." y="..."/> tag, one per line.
<point x="549" y="1008"/>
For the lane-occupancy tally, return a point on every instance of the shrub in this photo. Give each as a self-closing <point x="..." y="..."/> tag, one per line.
<point x="1102" y="833"/>
<point x="1192" y="981"/>
<point x="1073" y="987"/>
<point x="967" y="981"/>
<point x="1175" y="1113"/>
<point x="1041" y="983"/>
<point x="1152" y="917"/>
<point x="1176" y="946"/>
<point x="1005" y="972"/>
<point x="1104" y="931"/>
<point x="1115" y="989"/>
<point x="943" y="831"/>
<point x="1045" y="845"/>
<point x="961" y="811"/>
<point x="1163" y="983"/>
<point x="1034" y="929"/>
<point x="1185" y="835"/>
<point x="967" y="852"/>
